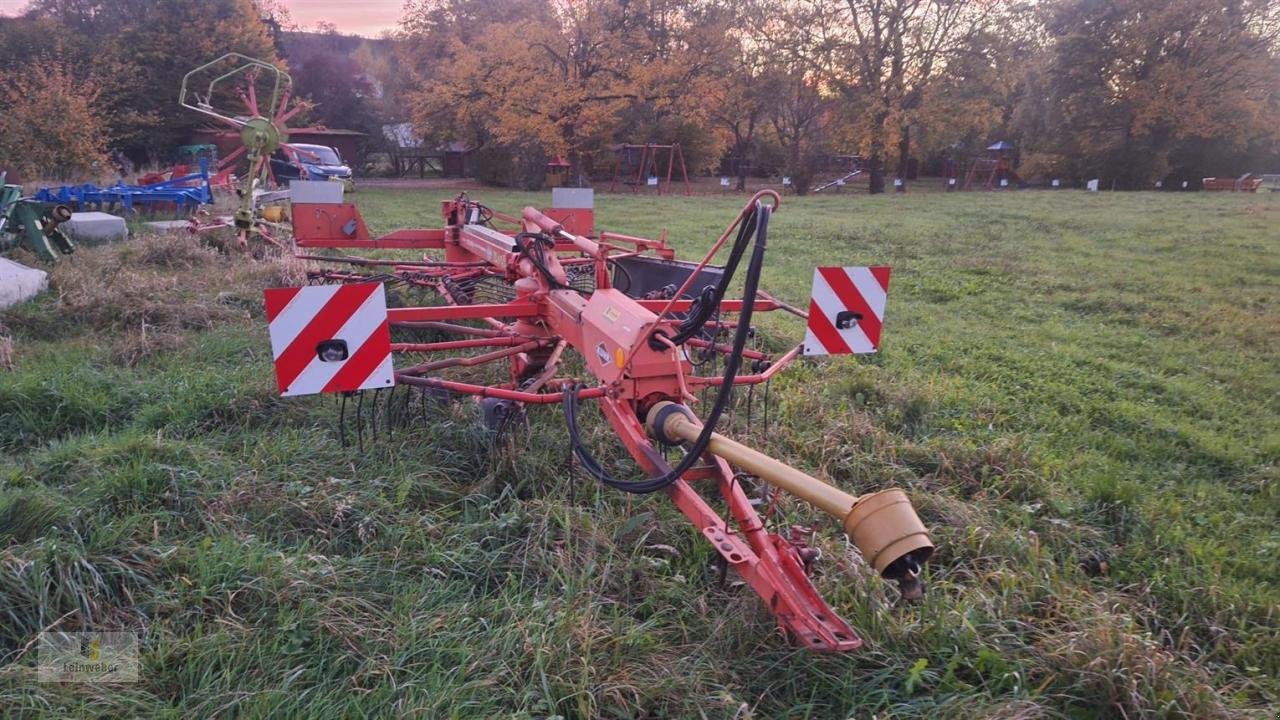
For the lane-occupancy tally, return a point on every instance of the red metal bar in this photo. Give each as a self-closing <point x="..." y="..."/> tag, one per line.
<point x="756" y="379"/>
<point x="547" y="225"/>
<point x="549" y="368"/>
<point x="493" y="392"/>
<point x="671" y="165"/>
<point x="684" y="288"/>
<point x="688" y="189"/>
<point x="472" y="360"/>
<point x="458" y="344"/>
<point x="725" y="305"/>
<point x="642" y="243"/>
<point x="782" y="305"/>
<point x="450" y="327"/>
<point x="253" y="93"/>
<point x="464" y="312"/>
<point x="409" y="264"/>
<point x="726" y="349"/>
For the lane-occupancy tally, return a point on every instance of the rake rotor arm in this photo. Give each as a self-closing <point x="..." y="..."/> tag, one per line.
<point x="282" y="81"/>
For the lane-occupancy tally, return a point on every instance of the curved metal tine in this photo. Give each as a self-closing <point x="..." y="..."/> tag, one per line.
<point x="766" y="407"/>
<point x="359" y="423"/>
<point x="764" y="485"/>
<point x="569" y="467"/>
<point x="386" y="412"/>
<point x="342" y="419"/>
<point x="401" y="414"/>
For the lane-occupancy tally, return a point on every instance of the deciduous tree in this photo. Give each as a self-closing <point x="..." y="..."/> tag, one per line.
<point x="558" y="78"/>
<point x="1124" y="85"/>
<point x="52" y="124"/>
<point x="882" y="55"/>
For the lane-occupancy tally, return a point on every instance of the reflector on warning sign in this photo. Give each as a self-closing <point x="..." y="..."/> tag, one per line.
<point x="846" y="310"/>
<point x="330" y="338"/>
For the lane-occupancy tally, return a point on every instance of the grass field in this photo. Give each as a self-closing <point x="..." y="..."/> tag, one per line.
<point x="1080" y="391"/>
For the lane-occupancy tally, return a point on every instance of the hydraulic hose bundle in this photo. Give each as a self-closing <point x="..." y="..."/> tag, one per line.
<point x="754" y="225"/>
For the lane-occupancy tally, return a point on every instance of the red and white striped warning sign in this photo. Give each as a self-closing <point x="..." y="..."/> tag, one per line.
<point x="330" y="338"/>
<point x="846" y="310"/>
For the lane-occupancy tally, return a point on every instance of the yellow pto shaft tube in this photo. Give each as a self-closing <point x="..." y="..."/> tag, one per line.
<point x="883" y="525"/>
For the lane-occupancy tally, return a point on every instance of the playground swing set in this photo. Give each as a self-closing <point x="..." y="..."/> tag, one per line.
<point x="638" y="167"/>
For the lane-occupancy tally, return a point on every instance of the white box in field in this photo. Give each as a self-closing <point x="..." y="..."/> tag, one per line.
<point x="95" y="228"/>
<point x="573" y="198"/>
<point x="315" y="191"/>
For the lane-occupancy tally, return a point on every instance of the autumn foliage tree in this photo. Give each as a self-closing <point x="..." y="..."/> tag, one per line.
<point x="135" y="53"/>
<point x="51" y="123"/>
<point x="559" y="78"/>
<point x="1124" y="87"/>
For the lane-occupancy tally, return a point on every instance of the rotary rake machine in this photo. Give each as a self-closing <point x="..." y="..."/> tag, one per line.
<point x="544" y="291"/>
<point x="263" y="127"/>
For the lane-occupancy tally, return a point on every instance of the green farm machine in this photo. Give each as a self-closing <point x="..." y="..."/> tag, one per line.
<point x="32" y="224"/>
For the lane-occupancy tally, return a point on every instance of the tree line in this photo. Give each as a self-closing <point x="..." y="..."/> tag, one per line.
<point x="1131" y="91"/>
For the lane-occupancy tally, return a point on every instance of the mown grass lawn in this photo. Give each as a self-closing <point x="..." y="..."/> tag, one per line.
<point x="1080" y="391"/>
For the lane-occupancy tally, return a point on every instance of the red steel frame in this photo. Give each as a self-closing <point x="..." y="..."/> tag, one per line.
<point x="610" y="331"/>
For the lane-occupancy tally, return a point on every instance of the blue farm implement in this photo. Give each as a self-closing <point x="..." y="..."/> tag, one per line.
<point x="185" y="194"/>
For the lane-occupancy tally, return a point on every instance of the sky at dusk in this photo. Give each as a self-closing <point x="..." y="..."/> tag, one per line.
<point x="353" y="17"/>
<point x="362" y="17"/>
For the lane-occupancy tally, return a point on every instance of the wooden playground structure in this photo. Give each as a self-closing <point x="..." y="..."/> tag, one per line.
<point x="994" y="169"/>
<point x="638" y="166"/>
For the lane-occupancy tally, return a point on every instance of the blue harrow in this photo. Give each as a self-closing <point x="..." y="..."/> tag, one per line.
<point x="183" y="194"/>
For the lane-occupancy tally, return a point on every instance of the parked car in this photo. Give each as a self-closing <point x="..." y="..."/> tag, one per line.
<point x="310" y="162"/>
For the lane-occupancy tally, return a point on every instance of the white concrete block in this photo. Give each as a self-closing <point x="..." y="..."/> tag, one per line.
<point x="95" y="228"/>
<point x="19" y="283"/>
<point x="164" y="227"/>
<point x="315" y="191"/>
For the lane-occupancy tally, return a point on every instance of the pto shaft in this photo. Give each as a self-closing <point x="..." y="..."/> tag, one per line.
<point x="883" y="524"/>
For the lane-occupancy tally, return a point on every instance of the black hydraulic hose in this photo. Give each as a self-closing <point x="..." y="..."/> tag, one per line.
<point x="760" y="226"/>
<point x="708" y="301"/>
<point x="538" y="257"/>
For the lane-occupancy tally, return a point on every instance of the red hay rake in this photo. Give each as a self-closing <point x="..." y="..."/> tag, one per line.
<point x="639" y="326"/>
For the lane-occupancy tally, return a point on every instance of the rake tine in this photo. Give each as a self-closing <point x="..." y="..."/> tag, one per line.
<point x="342" y="421"/>
<point x="359" y="423"/>
<point x="389" y="415"/>
<point x="402" y="415"/>
<point x="766" y="407"/>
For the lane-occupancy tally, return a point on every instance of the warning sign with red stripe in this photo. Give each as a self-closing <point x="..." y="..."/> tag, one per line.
<point x="330" y="338"/>
<point x="846" y="310"/>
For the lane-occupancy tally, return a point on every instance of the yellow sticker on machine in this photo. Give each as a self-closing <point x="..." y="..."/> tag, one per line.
<point x="612" y="314"/>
